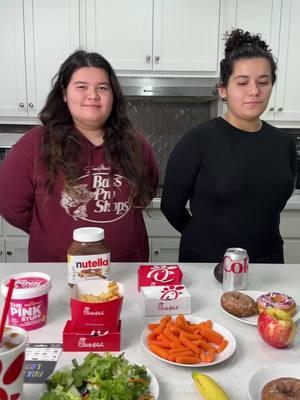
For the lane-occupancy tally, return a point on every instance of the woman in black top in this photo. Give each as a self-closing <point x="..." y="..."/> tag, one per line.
<point x="237" y="172"/>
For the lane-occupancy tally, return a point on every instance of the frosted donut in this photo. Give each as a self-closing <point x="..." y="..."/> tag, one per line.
<point x="238" y="304"/>
<point x="281" y="389"/>
<point x="276" y="300"/>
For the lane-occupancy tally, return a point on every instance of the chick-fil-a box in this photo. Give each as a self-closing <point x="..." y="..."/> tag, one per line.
<point x="87" y="313"/>
<point x="94" y="340"/>
<point x="165" y="300"/>
<point x="159" y="275"/>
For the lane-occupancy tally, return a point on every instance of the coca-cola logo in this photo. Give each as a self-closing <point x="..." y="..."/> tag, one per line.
<point x="230" y="265"/>
<point x="162" y="273"/>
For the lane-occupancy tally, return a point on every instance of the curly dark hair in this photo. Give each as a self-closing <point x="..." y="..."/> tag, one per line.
<point x="240" y="44"/>
<point x="62" y="141"/>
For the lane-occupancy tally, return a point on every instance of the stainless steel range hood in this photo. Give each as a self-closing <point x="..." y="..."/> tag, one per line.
<point x="201" y="88"/>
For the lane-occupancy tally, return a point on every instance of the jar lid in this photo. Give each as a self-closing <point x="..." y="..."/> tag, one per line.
<point x="27" y="285"/>
<point x="88" y="234"/>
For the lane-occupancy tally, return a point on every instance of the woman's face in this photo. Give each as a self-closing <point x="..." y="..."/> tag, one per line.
<point x="249" y="88"/>
<point x="89" y="97"/>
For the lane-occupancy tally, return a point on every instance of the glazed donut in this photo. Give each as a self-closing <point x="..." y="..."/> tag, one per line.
<point x="238" y="304"/>
<point x="276" y="300"/>
<point x="281" y="389"/>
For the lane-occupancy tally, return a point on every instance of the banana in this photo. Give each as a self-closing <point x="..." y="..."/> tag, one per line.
<point x="208" y="387"/>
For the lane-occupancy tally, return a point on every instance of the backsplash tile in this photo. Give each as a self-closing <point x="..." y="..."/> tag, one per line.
<point x="165" y="121"/>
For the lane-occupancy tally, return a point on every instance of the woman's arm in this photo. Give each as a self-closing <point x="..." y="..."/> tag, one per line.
<point x="182" y="170"/>
<point x="17" y="188"/>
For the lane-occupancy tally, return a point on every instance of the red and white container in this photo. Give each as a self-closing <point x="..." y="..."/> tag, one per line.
<point x="94" y="316"/>
<point x="94" y="340"/>
<point x="159" y="275"/>
<point x="235" y="269"/>
<point x="165" y="300"/>
<point x="29" y="304"/>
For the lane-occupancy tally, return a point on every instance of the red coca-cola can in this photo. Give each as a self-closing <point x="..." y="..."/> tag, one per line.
<point x="235" y="269"/>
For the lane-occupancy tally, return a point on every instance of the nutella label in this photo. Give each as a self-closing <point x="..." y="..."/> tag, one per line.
<point x="92" y="266"/>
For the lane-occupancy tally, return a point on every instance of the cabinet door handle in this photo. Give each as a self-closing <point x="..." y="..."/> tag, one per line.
<point x="21" y="105"/>
<point x="156" y="59"/>
<point x="148" y="59"/>
<point x="156" y="252"/>
<point x="9" y="253"/>
<point x="271" y="109"/>
<point x="279" y="108"/>
<point x="31" y="105"/>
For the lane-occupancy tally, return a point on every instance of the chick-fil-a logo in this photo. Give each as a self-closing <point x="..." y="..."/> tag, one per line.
<point x="162" y="273"/>
<point x="87" y="311"/>
<point x="82" y="343"/>
<point x="171" y="292"/>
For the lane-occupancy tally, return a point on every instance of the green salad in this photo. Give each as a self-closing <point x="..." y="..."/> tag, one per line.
<point x="99" y="377"/>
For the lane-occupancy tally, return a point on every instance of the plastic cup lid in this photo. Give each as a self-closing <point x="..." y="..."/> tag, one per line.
<point x="27" y="285"/>
<point x="88" y="234"/>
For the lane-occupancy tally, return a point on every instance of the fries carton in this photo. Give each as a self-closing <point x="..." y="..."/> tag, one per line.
<point x="87" y="314"/>
<point x="165" y="300"/>
<point x="159" y="275"/>
<point x="93" y="340"/>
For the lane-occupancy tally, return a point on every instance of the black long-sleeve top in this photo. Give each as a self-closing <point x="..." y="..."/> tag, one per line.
<point x="237" y="183"/>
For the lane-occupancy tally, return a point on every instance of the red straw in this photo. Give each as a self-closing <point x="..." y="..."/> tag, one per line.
<point x="6" y="306"/>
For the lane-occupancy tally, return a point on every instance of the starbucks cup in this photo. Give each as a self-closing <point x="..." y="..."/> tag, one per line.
<point x="29" y="304"/>
<point x="12" y="357"/>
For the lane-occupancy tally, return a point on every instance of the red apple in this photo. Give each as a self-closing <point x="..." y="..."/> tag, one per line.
<point x="276" y="327"/>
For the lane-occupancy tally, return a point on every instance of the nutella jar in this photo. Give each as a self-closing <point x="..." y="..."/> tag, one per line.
<point x="88" y="255"/>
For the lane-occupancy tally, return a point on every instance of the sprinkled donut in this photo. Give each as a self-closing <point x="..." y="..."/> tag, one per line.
<point x="276" y="300"/>
<point x="281" y="389"/>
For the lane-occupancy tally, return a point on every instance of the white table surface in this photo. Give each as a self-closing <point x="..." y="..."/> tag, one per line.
<point x="175" y="382"/>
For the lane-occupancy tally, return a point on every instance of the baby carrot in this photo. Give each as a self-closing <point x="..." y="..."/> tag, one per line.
<point x="211" y="335"/>
<point x="222" y="346"/>
<point x="158" y="351"/>
<point x="210" y="355"/>
<point x="160" y="343"/>
<point x="151" y="327"/>
<point x="188" y="343"/>
<point x="187" y="360"/>
<point x="172" y="338"/>
<point x="184" y="353"/>
<point x="203" y="344"/>
<point x="191" y="336"/>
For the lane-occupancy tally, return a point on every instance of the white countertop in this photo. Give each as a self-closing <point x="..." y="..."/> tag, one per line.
<point x="292" y="204"/>
<point x="175" y="382"/>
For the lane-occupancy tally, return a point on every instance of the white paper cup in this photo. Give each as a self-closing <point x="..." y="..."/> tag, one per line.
<point x="12" y="363"/>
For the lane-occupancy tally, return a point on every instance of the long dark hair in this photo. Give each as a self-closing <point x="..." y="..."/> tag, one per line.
<point x="62" y="141"/>
<point x="240" y="44"/>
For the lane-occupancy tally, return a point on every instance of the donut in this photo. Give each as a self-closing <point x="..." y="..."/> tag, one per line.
<point x="276" y="300"/>
<point x="281" y="389"/>
<point x="238" y="304"/>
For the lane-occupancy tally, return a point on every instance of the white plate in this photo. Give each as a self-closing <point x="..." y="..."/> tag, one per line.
<point x="153" y="387"/>
<point x="267" y="374"/>
<point x="226" y="353"/>
<point x="252" y="320"/>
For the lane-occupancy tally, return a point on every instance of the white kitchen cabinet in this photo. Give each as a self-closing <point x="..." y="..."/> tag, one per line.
<point x="16" y="249"/>
<point x="292" y="251"/>
<point x="164" y="250"/>
<point x="35" y="37"/>
<point x="179" y="36"/>
<point x="2" y="250"/>
<point x="13" y="243"/>
<point x="278" y="23"/>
